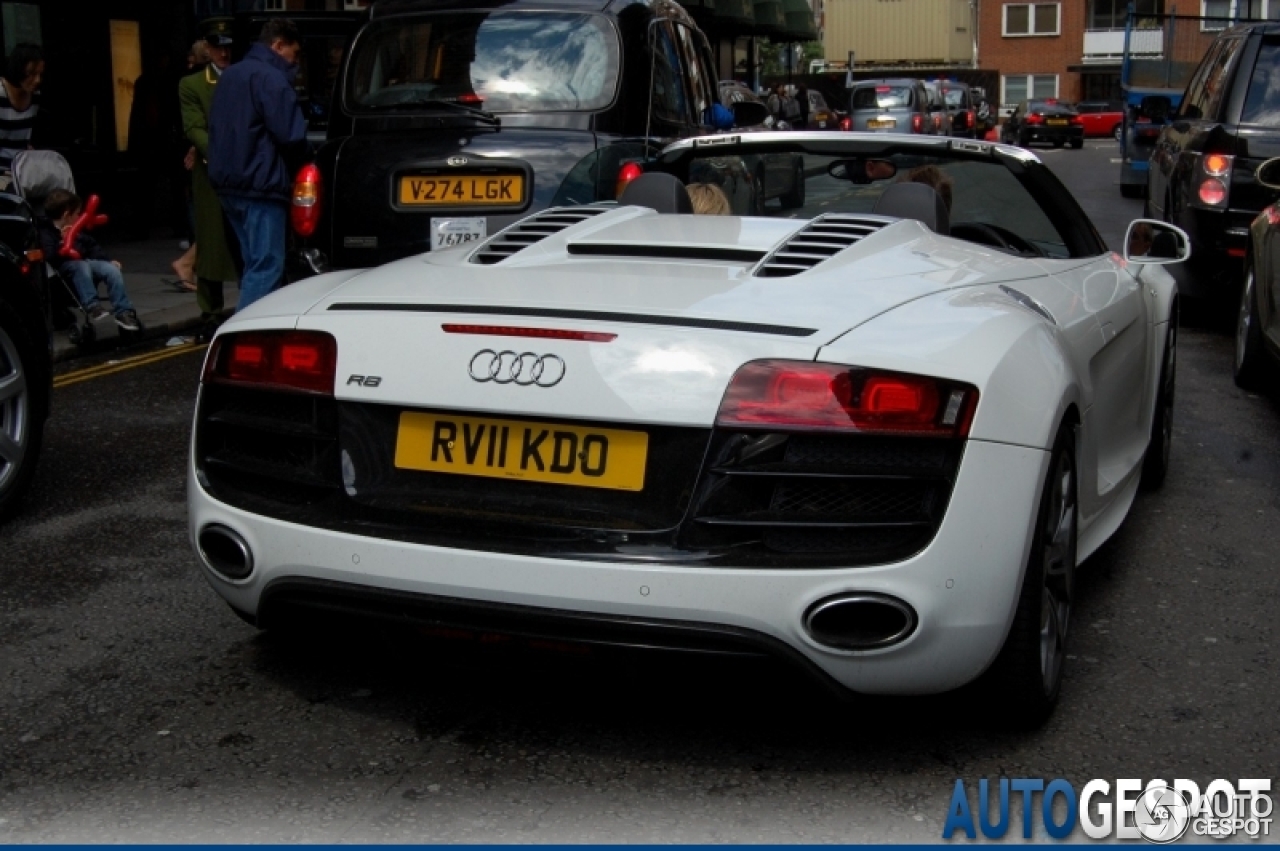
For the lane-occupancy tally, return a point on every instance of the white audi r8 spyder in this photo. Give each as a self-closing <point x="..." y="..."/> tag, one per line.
<point x="873" y="435"/>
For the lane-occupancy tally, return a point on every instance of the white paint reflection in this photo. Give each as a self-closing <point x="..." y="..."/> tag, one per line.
<point x="674" y="360"/>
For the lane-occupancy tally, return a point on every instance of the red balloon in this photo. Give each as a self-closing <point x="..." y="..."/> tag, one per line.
<point x="89" y="219"/>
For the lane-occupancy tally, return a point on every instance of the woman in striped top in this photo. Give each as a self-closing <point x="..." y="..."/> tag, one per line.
<point x="19" y="101"/>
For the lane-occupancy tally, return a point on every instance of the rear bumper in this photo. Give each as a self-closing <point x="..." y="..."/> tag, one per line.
<point x="1058" y="135"/>
<point x="963" y="586"/>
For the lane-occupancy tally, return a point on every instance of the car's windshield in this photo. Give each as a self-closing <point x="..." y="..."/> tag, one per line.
<point x="985" y="194"/>
<point x="500" y="61"/>
<point x="881" y="97"/>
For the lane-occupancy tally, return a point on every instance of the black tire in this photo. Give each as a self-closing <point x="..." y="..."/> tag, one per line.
<point x="23" y="400"/>
<point x="795" y="198"/>
<point x="1023" y="684"/>
<point x="1155" y="464"/>
<point x="1116" y="131"/>
<point x="1252" y="364"/>
<point x="1077" y="144"/>
<point x="1132" y="190"/>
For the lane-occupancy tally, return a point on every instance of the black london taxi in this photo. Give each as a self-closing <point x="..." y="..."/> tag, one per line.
<point x="454" y="119"/>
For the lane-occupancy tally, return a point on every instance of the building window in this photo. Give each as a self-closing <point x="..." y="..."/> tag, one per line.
<point x="1022" y="19"/>
<point x="273" y="6"/>
<point x="1219" y="12"/>
<point x="1015" y="88"/>
<point x="1111" y="14"/>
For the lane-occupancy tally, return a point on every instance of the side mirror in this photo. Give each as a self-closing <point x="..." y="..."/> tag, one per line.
<point x="1268" y="174"/>
<point x="748" y="113"/>
<point x="1153" y="242"/>
<point x="1156" y="107"/>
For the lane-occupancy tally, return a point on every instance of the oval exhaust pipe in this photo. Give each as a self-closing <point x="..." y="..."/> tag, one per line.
<point x="859" y="621"/>
<point x="226" y="553"/>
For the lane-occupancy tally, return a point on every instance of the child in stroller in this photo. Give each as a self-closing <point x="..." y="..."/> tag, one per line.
<point x="36" y="176"/>
<point x="93" y="266"/>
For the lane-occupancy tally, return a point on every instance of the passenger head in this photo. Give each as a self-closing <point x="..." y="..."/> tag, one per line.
<point x="1140" y="239"/>
<point x="25" y="67"/>
<point x="282" y="36"/>
<point x="708" y="199"/>
<point x="931" y="175"/>
<point x="62" y="206"/>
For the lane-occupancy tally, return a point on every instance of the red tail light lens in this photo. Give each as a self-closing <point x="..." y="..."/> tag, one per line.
<point x="1035" y="118"/>
<point x="1077" y="120"/>
<point x="304" y="214"/>
<point x="917" y="123"/>
<point x="281" y="360"/>
<point x="804" y="396"/>
<point x="1212" y="191"/>
<point x="626" y="174"/>
<point x="846" y="123"/>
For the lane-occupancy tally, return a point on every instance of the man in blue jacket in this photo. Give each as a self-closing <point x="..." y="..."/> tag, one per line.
<point x="256" y="132"/>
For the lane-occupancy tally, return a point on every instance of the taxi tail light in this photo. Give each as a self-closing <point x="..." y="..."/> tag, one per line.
<point x="917" y="123"/>
<point x="805" y="396"/>
<point x="626" y="174"/>
<point x="304" y="213"/>
<point x="846" y="123"/>
<point x="304" y="361"/>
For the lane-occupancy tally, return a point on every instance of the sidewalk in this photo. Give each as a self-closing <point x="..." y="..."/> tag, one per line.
<point x="163" y="310"/>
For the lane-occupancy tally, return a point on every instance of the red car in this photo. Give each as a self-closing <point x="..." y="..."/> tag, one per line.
<point x="1101" y="118"/>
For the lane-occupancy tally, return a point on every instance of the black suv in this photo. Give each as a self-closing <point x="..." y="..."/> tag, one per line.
<point x="1201" y="176"/>
<point x="25" y="358"/>
<point x="451" y="122"/>
<point x="1043" y="120"/>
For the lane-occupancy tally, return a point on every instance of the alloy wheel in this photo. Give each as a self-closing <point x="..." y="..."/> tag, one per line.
<point x="1059" y="543"/>
<point x="15" y="411"/>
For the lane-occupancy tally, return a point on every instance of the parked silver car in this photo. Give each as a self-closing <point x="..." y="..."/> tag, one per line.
<point x="890" y="106"/>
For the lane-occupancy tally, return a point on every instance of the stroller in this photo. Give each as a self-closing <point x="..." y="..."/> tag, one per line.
<point x="34" y="175"/>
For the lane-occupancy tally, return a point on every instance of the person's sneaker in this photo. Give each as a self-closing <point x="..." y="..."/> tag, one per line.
<point x="128" y="320"/>
<point x="98" y="313"/>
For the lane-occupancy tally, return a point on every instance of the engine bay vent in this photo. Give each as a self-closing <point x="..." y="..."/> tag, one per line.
<point x="823" y="238"/>
<point x="536" y="228"/>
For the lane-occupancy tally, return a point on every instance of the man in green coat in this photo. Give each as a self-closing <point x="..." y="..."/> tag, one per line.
<point x="215" y="262"/>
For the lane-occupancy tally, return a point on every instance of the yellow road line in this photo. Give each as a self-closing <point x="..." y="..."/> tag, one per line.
<point x="128" y="363"/>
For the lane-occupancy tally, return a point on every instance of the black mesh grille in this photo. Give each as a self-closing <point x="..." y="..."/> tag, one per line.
<point x="858" y="499"/>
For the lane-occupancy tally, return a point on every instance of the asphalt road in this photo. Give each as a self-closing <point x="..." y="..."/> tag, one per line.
<point x="137" y="707"/>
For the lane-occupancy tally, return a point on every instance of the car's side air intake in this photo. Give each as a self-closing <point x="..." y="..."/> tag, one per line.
<point x="820" y="240"/>
<point x="533" y="229"/>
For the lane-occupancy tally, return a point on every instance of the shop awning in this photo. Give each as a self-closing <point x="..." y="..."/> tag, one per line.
<point x="734" y="17"/>
<point x="799" y="16"/>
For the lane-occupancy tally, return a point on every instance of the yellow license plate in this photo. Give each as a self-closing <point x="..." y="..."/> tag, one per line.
<point x="880" y="124"/>
<point x="1057" y="122"/>
<point x="516" y="449"/>
<point x="462" y="190"/>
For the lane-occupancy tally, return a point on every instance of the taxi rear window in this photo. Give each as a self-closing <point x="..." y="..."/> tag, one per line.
<point x="881" y="97"/>
<point x="497" y="61"/>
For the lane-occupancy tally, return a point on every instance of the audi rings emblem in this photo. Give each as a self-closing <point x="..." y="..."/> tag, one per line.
<point x="523" y="369"/>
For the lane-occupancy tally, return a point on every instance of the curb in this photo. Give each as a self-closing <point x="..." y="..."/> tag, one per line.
<point x="162" y="324"/>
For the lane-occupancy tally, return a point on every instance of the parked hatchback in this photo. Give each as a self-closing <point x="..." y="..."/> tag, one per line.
<point x="1202" y="168"/>
<point x="1047" y="120"/>
<point x="451" y="123"/>
<point x="1101" y="118"/>
<point x="889" y="106"/>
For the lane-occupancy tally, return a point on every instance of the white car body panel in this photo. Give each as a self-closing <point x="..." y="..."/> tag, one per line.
<point x="1044" y="342"/>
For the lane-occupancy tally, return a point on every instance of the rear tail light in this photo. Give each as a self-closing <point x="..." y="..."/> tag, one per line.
<point x="1213" y="182"/>
<point x="917" y="123"/>
<point x="937" y="121"/>
<point x="304" y="214"/>
<point x="1212" y="192"/>
<point x="626" y="174"/>
<point x="963" y="119"/>
<point x="806" y="396"/>
<point x="1035" y="118"/>
<point x="304" y="361"/>
<point x="1077" y="120"/>
<point x="846" y="123"/>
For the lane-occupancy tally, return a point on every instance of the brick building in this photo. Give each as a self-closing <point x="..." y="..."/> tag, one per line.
<point x="1072" y="49"/>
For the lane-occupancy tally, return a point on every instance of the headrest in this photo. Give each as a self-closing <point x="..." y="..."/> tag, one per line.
<point x="657" y="191"/>
<point x="917" y="201"/>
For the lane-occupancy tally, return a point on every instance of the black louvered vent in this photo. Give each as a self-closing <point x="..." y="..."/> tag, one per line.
<point x="821" y="239"/>
<point x="533" y="229"/>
